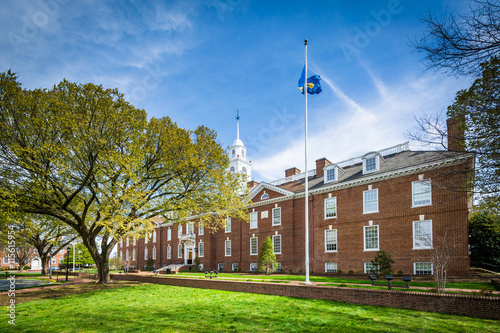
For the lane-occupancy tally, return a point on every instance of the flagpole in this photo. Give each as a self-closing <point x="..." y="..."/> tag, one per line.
<point x="306" y="184"/>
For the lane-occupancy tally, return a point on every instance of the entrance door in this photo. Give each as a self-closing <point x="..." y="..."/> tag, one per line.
<point x="190" y="257"/>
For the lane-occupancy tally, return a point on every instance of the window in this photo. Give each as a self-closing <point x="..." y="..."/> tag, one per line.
<point x="233" y="153"/>
<point x="146" y="254"/>
<point x="264" y="196"/>
<point x="253" y="220"/>
<point x="5" y="260"/>
<point x="254" y="249"/>
<point x="422" y="268"/>
<point x="179" y="251"/>
<point x="371" y="238"/>
<point x="235" y="267"/>
<point x="169" y="252"/>
<point x="127" y="242"/>
<point x="422" y="234"/>
<point x="201" y="228"/>
<point x="277" y="216"/>
<point x="253" y="267"/>
<point x="330" y="208"/>
<point x="228" y="248"/>
<point x="232" y="169"/>
<point x="331" y="240"/>
<point x="371" y="268"/>
<point x="54" y="260"/>
<point x="154" y="236"/>
<point x="121" y="257"/>
<point x="330" y="267"/>
<point x="201" y="249"/>
<point x="371" y="163"/>
<point x="179" y="231"/>
<point x="134" y="241"/>
<point x="277" y="244"/>
<point x="126" y="255"/>
<point x="133" y="254"/>
<point x="276" y="267"/>
<point x="370" y="201"/>
<point x="421" y="193"/>
<point x="190" y="228"/>
<point x="121" y="242"/>
<point x="220" y="267"/>
<point x="154" y="253"/>
<point x="331" y="175"/>
<point x="244" y="170"/>
<point x="146" y="239"/>
<point x="169" y="234"/>
<point x="228" y="224"/>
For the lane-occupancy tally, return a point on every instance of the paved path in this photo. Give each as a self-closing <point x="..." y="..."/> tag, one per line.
<point x="22" y="283"/>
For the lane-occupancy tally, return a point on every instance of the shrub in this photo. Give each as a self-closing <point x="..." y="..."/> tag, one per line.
<point x="351" y="272"/>
<point x="384" y="262"/>
<point x="150" y="264"/>
<point x="267" y="258"/>
<point x="339" y="271"/>
<point x="196" y="263"/>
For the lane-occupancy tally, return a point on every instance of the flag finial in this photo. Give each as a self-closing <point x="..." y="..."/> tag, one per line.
<point x="305" y="41"/>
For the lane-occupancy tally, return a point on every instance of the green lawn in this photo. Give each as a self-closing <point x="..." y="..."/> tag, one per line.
<point x="397" y="282"/>
<point x="158" y="308"/>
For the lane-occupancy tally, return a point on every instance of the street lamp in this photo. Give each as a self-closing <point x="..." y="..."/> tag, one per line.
<point x="67" y="262"/>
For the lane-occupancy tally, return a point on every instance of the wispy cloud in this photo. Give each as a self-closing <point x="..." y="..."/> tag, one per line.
<point x="355" y="129"/>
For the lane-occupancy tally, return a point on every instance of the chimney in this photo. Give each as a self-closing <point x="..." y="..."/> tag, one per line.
<point x="320" y="164"/>
<point x="252" y="184"/>
<point x="292" y="171"/>
<point x="456" y="134"/>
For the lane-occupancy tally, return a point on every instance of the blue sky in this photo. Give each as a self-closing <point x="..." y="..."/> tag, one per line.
<point x="199" y="61"/>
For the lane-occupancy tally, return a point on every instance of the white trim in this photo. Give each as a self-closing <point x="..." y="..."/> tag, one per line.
<point x="280" y="243"/>
<point x="278" y="219"/>
<point x="334" y="232"/>
<point x="426" y="182"/>
<point x="334" y="199"/>
<point x="423" y="262"/>
<point x="334" y="270"/>
<point x="256" y="246"/>
<point x="227" y="227"/>
<point x="375" y="190"/>
<point x="426" y="239"/>
<point x="364" y="238"/>
<point x="256" y="222"/>
<point x="226" y="242"/>
<point x="201" y="249"/>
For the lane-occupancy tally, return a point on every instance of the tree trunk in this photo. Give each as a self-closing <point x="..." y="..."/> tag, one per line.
<point x="102" y="270"/>
<point x="45" y="265"/>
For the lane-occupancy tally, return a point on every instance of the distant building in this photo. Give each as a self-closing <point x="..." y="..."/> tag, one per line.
<point x="397" y="200"/>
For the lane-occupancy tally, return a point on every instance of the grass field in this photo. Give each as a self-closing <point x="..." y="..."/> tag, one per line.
<point x="159" y="308"/>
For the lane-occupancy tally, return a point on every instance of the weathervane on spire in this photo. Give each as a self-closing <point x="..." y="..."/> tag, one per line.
<point x="237" y="124"/>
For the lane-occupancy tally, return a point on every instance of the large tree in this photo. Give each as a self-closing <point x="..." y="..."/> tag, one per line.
<point x="476" y="113"/>
<point x="82" y="154"/>
<point x="484" y="228"/>
<point x="459" y="43"/>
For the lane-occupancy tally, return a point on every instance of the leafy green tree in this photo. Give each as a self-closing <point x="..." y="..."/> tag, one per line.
<point x="484" y="228"/>
<point x="383" y="260"/>
<point x="267" y="258"/>
<point x="83" y="155"/>
<point x="478" y="110"/>
<point x="150" y="264"/>
<point x="82" y="255"/>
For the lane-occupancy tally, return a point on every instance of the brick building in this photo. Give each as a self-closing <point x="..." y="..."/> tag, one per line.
<point x="35" y="262"/>
<point x="397" y="200"/>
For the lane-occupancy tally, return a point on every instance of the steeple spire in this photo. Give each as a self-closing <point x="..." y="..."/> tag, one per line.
<point x="237" y="124"/>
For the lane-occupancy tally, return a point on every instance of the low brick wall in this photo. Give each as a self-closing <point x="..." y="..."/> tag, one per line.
<point x="468" y="305"/>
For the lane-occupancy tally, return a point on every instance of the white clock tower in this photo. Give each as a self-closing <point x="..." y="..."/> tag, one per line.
<point x="238" y="154"/>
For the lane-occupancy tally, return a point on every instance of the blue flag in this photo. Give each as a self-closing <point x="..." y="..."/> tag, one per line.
<point x="313" y="84"/>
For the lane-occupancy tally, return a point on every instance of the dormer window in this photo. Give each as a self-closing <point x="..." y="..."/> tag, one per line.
<point x="332" y="173"/>
<point x="371" y="162"/>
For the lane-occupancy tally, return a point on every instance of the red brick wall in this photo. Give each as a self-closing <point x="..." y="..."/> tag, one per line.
<point x="473" y="306"/>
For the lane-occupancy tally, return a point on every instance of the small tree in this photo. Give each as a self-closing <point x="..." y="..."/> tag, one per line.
<point x="384" y="262"/>
<point x="196" y="264"/>
<point x="441" y="257"/>
<point x="267" y="258"/>
<point x="150" y="264"/>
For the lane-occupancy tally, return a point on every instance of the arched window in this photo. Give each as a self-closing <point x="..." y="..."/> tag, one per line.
<point x="232" y="169"/>
<point x="233" y="154"/>
<point x="242" y="154"/>
<point x="244" y="170"/>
